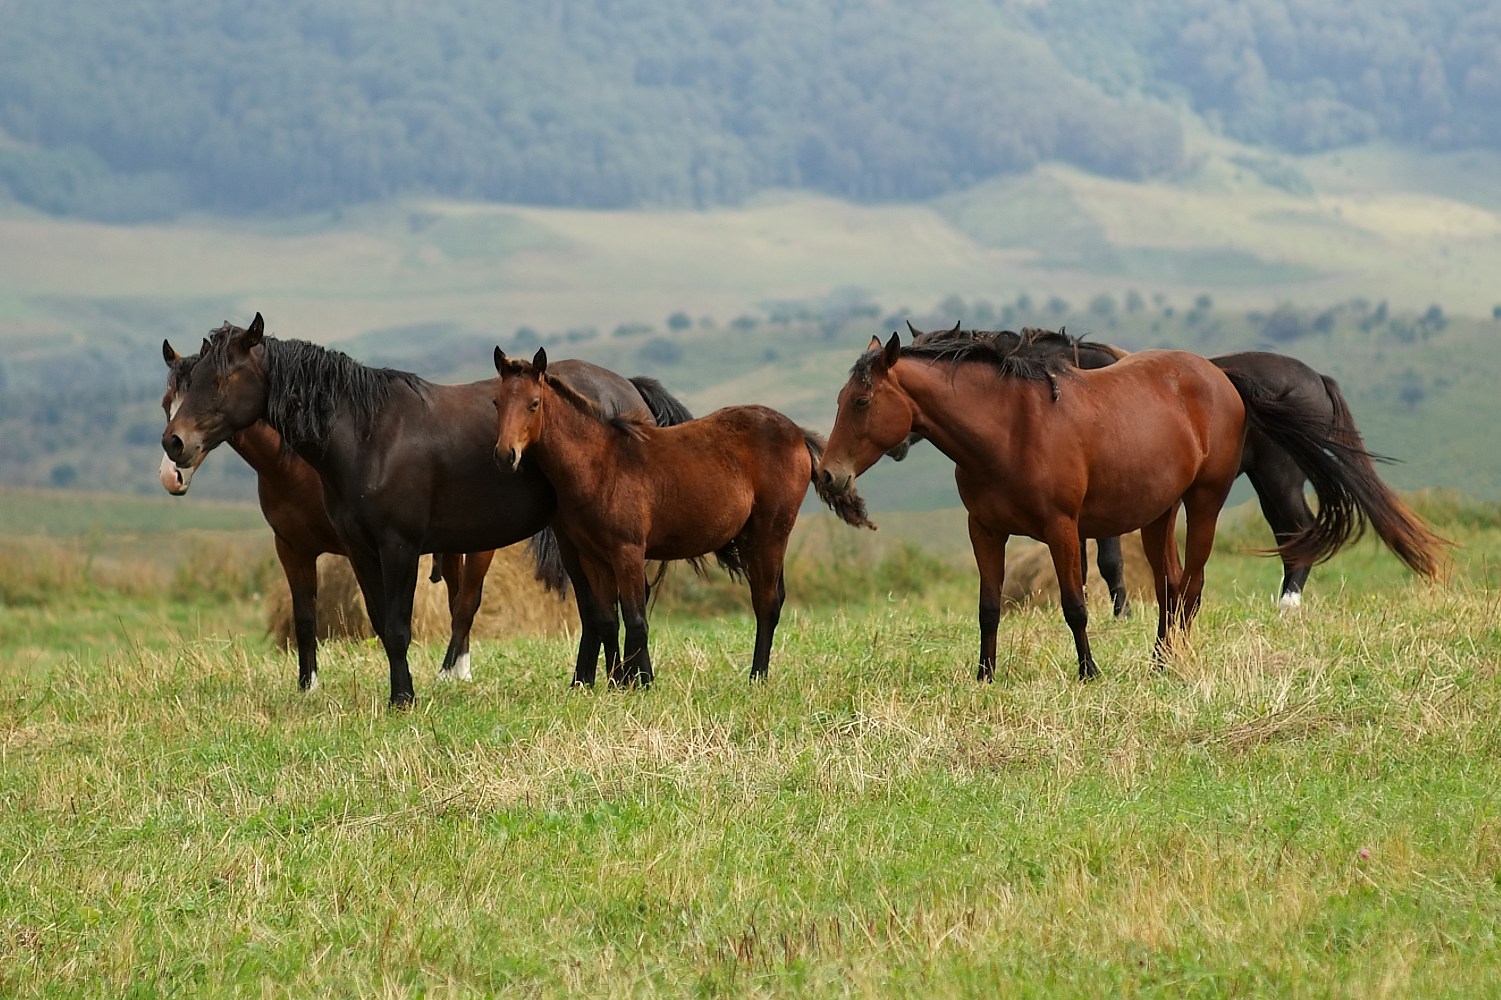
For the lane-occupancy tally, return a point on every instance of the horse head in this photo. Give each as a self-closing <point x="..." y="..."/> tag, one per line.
<point x="874" y="417"/>
<point x="222" y="391"/>
<point x="518" y="406"/>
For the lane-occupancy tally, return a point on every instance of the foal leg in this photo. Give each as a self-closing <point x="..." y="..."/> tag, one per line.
<point x="990" y="559"/>
<point x="1063" y="544"/>
<point x="630" y="579"/>
<point x="1113" y="572"/>
<point x="301" y="571"/>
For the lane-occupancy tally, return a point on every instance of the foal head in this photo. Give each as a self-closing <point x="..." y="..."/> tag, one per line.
<point x="211" y="397"/>
<point x="518" y="406"/>
<point x="874" y="416"/>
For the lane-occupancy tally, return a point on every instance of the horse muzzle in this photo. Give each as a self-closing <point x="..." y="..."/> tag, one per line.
<point x="508" y="458"/>
<point x="175" y="478"/>
<point x="835" y="482"/>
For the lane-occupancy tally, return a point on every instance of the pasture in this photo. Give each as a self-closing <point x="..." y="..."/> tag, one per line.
<point x="1302" y="805"/>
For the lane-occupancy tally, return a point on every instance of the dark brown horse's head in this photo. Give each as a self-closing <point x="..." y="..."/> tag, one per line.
<point x="518" y="406"/>
<point x="174" y="480"/>
<point x="874" y="417"/>
<point x="224" y="391"/>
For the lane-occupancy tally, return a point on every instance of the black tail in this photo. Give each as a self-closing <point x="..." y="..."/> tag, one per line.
<point x="665" y="408"/>
<point x="850" y="506"/>
<point x="547" y="562"/>
<point x="1333" y="456"/>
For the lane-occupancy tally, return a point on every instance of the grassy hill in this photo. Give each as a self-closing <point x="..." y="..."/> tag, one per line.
<point x="770" y="303"/>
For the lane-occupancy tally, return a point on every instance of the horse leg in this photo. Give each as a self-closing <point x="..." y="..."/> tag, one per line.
<point x="1064" y="546"/>
<point x="1113" y="572"/>
<point x="600" y="606"/>
<point x="398" y="574"/>
<point x="990" y="559"/>
<point x="466" y="586"/>
<point x="1160" y="546"/>
<point x="1279" y="489"/>
<point x="301" y="572"/>
<point x="768" y="591"/>
<point x="630" y="578"/>
<point x="1202" y="511"/>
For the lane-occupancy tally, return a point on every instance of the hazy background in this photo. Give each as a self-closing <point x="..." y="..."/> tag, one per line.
<point x="734" y="197"/>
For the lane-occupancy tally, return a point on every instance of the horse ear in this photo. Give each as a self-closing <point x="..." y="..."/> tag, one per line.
<point x="874" y="345"/>
<point x="203" y="347"/>
<point x="913" y="330"/>
<point x="955" y="330"/>
<point x="500" y="360"/>
<point x="256" y="331"/>
<point x="539" y="361"/>
<point x="893" y="349"/>
<point x="168" y="354"/>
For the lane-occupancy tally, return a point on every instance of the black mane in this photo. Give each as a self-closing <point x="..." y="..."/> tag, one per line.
<point x="1005" y="352"/>
<point x="310" y="386"/>
<point x="1037" y="342"/>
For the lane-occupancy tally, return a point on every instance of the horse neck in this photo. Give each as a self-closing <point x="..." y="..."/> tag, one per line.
<point x="260" y="446"/>
<point x="574" y="449"/>
<point x="944" y="399"/>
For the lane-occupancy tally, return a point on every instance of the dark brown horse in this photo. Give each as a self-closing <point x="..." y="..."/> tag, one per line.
<point x="1024" y="435"/>
<point x="729" y="484"/>
<point x="405" y="466"/>
<point x="1272" y="471"/>
<point x="291" y="498"/>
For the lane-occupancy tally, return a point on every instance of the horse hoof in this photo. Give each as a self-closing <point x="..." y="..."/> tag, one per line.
<point x="310" y="685"/>
<point x="1290" y="601"/>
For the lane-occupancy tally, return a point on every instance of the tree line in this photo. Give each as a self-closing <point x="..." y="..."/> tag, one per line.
<point x="124" y="109"/>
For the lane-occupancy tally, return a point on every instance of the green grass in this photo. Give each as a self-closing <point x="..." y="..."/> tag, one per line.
<point x="1301" y="805"/>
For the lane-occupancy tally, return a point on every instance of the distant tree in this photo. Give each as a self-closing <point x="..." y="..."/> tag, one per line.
<point x="1134" y="302"/>
<point x="1102" y="305"/>
<point x="679" y="321"/>
<point x="1496" y="312"/>
<point x="1283" y="324"/>
<point x="1434" y="318"/>
<point x="660" y="352"/>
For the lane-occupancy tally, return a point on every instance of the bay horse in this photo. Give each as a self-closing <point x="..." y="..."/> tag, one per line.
<point x="1030" y="459"/>
<point x="1273" y="473"/>
<point x="729" y="484"/>
<point x="405" y="466"/>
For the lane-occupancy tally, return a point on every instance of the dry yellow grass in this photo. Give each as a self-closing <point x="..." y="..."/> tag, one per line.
<point x="514" y="604"/>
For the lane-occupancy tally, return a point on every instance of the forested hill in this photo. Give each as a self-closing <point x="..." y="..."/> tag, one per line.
<point x="121" y="109"/>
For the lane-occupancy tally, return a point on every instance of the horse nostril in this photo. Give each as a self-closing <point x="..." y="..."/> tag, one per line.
<point x="173" y="446"/>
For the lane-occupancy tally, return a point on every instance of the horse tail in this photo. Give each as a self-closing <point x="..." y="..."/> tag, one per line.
<point x="666" y="409"/>
<point x="1332" y="454"/>
<point x="547" y="562"/>
<point x="850" y="506"/>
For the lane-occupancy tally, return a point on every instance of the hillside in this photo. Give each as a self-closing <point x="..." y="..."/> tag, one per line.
<point x="1373" y="264"/>
<point x="132" y="110"/>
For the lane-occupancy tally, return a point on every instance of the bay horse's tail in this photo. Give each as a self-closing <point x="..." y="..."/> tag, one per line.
<point x="850" y="506"/>
<point x="1333" y="456"/>
<point x="666" y="409"/>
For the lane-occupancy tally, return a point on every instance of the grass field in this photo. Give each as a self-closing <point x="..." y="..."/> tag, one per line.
<point x="1304" y="805"/>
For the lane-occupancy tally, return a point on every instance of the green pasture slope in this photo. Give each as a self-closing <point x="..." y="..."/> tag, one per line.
<point x="1304" y="805"/>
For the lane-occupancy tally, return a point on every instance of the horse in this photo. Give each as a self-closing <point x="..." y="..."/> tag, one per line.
<point x="1273" y="474"/>
<point x="404" y="465"/>
<point x="1024" y="434"/>
<point x="291" y="499"/>
<point x="1082" y="354"/>
<point x="729" y="483"/>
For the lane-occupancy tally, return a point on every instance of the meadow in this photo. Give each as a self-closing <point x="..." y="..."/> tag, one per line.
<point x="1299" y="805"/>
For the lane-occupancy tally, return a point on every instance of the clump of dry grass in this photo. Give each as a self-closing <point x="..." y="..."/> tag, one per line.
<point x="1032" y="582"/>
<point x="514" y="604"/>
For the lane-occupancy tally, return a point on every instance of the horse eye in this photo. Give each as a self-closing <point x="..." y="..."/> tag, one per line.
<point x="534" y="404"/>
<point x="861" y="402"/>
<point x="495" y="403"/>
